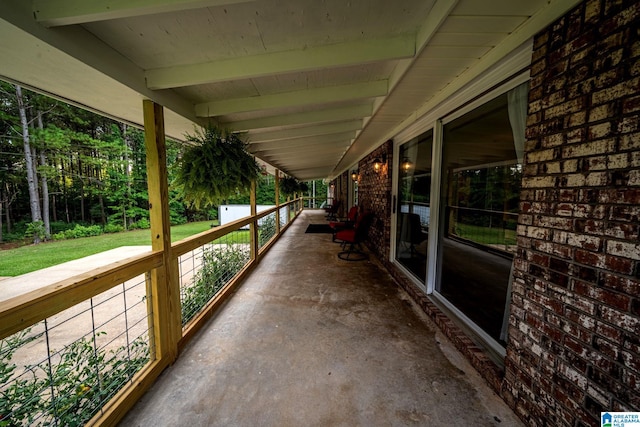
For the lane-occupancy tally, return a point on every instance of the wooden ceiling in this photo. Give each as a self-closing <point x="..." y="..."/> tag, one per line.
<point x="313" y="84"/>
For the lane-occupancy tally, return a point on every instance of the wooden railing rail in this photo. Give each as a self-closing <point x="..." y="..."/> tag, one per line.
<point x="25" y="310"/>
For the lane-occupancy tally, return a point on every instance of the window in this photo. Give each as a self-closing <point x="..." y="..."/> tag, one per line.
<point x="479" y="192"/>
<point x="414" y="204"/>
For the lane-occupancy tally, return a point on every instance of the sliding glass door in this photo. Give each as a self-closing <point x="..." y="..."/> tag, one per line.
<point x="480" y="187"/>
<point x="414" y="204"/>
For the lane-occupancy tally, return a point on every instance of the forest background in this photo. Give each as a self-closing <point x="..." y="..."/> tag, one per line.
<point x="66" y="172"/>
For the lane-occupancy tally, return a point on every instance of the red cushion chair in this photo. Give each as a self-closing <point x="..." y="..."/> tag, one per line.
<point x="352" y="216"/>
<point x="353" y="237"/>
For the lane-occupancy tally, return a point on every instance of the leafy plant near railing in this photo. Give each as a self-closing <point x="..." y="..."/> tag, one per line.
<point x="267" y="229"/>
<point x="215" y="167"/>
<point x="219" y="265"/>
<point x="69" y="392"/>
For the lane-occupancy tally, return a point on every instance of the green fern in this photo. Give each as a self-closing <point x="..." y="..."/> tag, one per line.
<point x="216" y="167"/>
<point x="289" y="186"/>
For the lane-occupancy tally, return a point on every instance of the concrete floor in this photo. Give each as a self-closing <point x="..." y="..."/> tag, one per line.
<point x="311" y="340"/>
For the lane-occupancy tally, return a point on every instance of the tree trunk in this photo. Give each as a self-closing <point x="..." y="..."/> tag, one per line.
<point x="127" y="170"/>
<point x="34" y="200"/>
<point x="8" y="198"/>
<point x="53" y="207"/>
<point x="45" y="186"/>
<point x="64" y="190"/>
<point x="103" y="214"/>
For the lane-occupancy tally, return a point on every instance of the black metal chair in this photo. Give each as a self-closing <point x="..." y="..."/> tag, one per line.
<point x="332" y="211"/>
<point x="411" y="231"/>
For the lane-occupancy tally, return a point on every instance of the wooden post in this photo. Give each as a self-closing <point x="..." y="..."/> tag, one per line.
<point x="278" y="201"/>
<point x="165" y="289"/>
<point x="254" y="224"/>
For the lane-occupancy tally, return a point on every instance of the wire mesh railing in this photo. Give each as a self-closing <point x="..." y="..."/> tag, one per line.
<point x="76" y="351"/>
<point x="266" y="229"/>
<point x="423" y="210"/>
<point x="62" y="370"/>
<point x="495" y="229"/>
<point x="284" y="216"/>
<point x="206" y="270"/>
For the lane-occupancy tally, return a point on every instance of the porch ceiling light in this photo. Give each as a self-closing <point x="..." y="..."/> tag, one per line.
<point x="406" y="165"/>
<point x="379" y="163"/>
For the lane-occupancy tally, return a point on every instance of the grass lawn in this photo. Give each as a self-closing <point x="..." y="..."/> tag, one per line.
<point x="486" y="235"/>
<point x="25" y="259"/>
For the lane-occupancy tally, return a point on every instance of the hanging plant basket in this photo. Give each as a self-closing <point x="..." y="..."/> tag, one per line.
<point x="289" y="186"/>
<point x="215" y="167"/>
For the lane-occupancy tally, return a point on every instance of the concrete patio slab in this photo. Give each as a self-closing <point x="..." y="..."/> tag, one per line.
<point x="311" y="340"/>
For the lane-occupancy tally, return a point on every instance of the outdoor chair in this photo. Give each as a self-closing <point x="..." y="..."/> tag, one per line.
<point x="411" y="231"/>
<point x="353" y="237"/>
<point x="332" y="211"/>
<point x="348" y="222"/>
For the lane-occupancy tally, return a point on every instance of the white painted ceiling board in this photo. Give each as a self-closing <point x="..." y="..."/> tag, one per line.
<point x="103" y="64"/>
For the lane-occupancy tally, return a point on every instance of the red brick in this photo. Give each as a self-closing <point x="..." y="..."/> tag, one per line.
<point x="590" y="258"/>
<point x="619" y="265"/>
<point x="623" y="284"/>
<point x="607" y="331"/>
<point x="621" y="319"/>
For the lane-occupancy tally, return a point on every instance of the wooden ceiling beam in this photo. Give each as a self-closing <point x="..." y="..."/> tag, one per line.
<point x="54" y="13"/>
<point x="319" y="116"/>
<point x="257" y="137"/>
<point x="303" y="141"/>
<point x="319" y="150"/>
<point x="293" y="61"/>
<point x="299" y="98"/>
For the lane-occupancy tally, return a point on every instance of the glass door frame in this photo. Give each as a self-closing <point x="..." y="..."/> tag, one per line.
<point x="438" y="119"/>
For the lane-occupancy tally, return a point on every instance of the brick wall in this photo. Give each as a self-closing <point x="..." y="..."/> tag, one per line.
<point x="343" y="183"/>
<point x="574" y="344"/>
<point x="341" y="193"/>
<point x="374" y="192"/>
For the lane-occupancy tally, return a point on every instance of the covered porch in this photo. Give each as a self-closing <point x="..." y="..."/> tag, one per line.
<point x="309" y="339"/>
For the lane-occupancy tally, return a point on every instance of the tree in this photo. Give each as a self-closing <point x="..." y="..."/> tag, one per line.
<point x="34" y="196"/>
<point x="61" y="164"/>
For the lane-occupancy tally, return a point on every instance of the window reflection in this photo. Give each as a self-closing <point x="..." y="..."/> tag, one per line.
<point x="414" y="186"/>
<point x="480" y="187"/>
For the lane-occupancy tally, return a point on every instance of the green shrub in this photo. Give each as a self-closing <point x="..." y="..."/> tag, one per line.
<point x="219" y="265"/>
<point x="12" y="237"/>
<point x="267" y="229"/>
<point x="58" y="226"/>
<point x="78" y="231"/>
<point x="35" y="230"/>
<point x="112" y="228"/>
<point x="82" y="381"/>
<point x="140" y="224"/>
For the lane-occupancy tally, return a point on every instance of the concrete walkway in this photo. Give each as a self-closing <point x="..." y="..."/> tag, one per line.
<point x="311" y="340"/>
<point x="18" y="285"/>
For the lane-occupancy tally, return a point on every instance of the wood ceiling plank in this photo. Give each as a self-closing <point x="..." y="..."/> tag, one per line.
<point x="319" y="57"/>
<point x="482" y="24"/>
<point x="305" y="131"/>
<point x="300" y="143"/>
<point x="320" y="116"/>
<point x="293" y="99"/>
<point x="309" y="158"/>
<point x="53" y="13"/>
